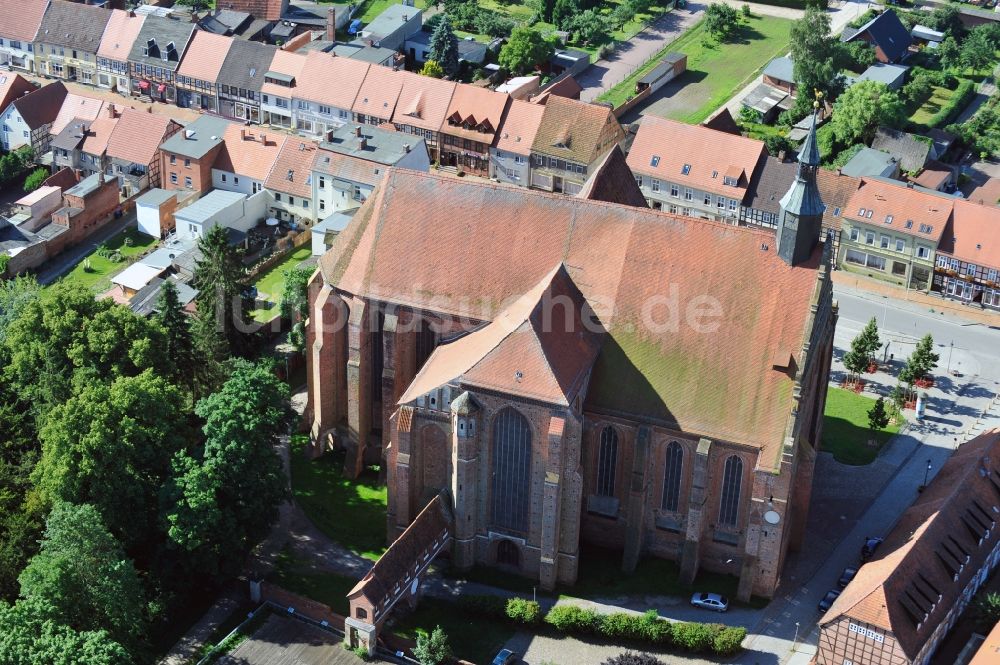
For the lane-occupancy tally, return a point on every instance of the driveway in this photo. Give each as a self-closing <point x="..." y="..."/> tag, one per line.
<point x="629" y="56"/>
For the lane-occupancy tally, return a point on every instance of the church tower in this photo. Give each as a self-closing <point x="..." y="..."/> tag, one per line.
<point x="801" y="217"/>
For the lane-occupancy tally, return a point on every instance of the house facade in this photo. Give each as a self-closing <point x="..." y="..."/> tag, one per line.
<point x="241" y="79"/>
<point x="510" y="158"/>
<point x="134" y="150"/>
<point x="155" y="56"/>
<point x="967" y="264"/>
<point x="187" y="157"/>
<point x="891" y="231"/>
<point x="112" y="55"/>
<point x="693" y="170"/>
<point x="319" y="106"/>
<point x="18" y="30"/>
<point x="247" y="157"/>
<point x="198" y="75"/>
<point x="279" y="87"/>
<point x="82" y="145"/>
<point x="28" y="119"/>
<point x="445" y="370"/>
<point x="422" y="108"/>
<point x="67" y="41"/>
<point x="571" y="140"/>
<point x="471" y="127"/>
<point x="289" y="184"/>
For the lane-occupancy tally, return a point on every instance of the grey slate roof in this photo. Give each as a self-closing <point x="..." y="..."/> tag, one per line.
<point x="41" y="106"/>
<point x="888" y="33"/>
<point x="155" y="197"/>
<point x="205" y="133"/>
<point x="911" y="151"/>
<point x="72" y="135"/>
<point x="146" y="299"/>
<point x="245" y="64"/>
<point x="381" y="146"/>
<point x="868" y="162"/>
<point x="891" y="75"/>
<point x="73" y="25"/>
<point x="780" y="69"/>
<point x="162" y="31"/>
<point x="809" y="150"/>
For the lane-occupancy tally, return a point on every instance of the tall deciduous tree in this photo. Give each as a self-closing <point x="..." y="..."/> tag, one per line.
<point x="862" y="108"/>
<point x="222" y="305"/>
<point x="977" y="50"/>
<point x="722" y="21"/>
<point x="869" y="340"/>
<point x="82" y="573"/>
<point x="111" y="445"/>
<point x="223" y="499"/>
<point x="525" y="49"/>
<point x="817" y="57"/>
<point x="29" y="636"/>
<point x="432" y="649"/>
<point x="444" y="47"/>
<point x="950" y="53"/>
<point x="921" y="362"/>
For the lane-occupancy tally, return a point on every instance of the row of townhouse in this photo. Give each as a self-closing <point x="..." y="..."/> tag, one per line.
<point x="898" y="232"/>
<point x="313" y="92"/>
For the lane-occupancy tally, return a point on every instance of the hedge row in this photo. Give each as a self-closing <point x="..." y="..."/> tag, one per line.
<point x="964" y="93"/>
<point x="794" y="4"/>
<point x="646" y="628"/>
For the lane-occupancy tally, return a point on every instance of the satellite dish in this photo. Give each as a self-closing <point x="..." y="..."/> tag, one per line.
<point x="772" y="517"/>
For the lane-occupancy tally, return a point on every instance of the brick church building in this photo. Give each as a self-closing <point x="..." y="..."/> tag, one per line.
<point x="568" y="371"/>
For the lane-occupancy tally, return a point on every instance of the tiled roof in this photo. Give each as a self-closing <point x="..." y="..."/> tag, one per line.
<point x="322" y="68"/>
<point x="524" y="350"/>
<point x="72" y="135"/>
<point x="41" y="106"/>
<point x="96" y="142"/>
<point x="888" y="33"/>
<point x="938" y="545"/>
<point x="612" y="182"/>
<point x="520" y="127"/>
<point x="705" y="154"/>
<point x="21" y="18"/>
<point x="288" y="63"/>
<point x="12" y="86"/>
<point x="565" y="87"/>
<point x="934" y="175"/>
<point x="162" y="31"/>
<point x="480" y="109"/>
<point x="119" y="35"/>
<point x="575" y="130"/>
<point x="988" y="192"/>
<point x="347" y="167"/>
<point x="423" y="101"/>
<point x="73" y="25"/>
<point x="292" y="170"/>
<point x="775" y="177"/>
<point x="913" y="212"/>
<point x="615" y="254"/>
<point x="911" y="150"/>
<point x="250" y="151"/>
<point x="378" y="94"/>
<point x="723" y="121"/>
<point x="76" y="106"/>
<point x="137" y="136"/>
<point x="246" y="63"/>
<point x="973" y="234"/>
<point x="205" y="56"/>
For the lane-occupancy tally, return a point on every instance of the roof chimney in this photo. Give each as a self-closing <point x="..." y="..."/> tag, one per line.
<point x="406" y="147"/>
<point x="243" y="135"/>
<point x="111" y="111"/>
<point x="263" y="138"/>
<point x="363" y="143"/>
<point x="357" y="130"/>
<point x="331" y="24"/>
<point x="909" y="184"/>
<point x="329" y="136"/>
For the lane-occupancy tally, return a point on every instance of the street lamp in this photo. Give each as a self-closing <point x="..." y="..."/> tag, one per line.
<point x="926" y="473"/>
<point x="796" y="638"/>
<point x="951" y="347"/>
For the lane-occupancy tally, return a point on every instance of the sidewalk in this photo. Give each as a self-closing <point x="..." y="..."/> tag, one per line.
<point x="915" y="301"/>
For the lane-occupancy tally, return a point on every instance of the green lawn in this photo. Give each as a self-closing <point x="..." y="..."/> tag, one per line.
<point x="845" y="428"/>
<point x="102" y="269"/>
<point x="272" y="283"/>
<point x="473" y="639"/>
<point x="351" y="512"/>
<point x="327" y="588"/>
<point x="370" y="10"/>
<point x="718" y="70"/>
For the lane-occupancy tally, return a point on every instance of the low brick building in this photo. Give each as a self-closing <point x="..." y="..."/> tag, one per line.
<point x="187" y="157"/>
<point x="899" y="607"/>
<point x="87" y="206"/>
<point x="490" y="342"/>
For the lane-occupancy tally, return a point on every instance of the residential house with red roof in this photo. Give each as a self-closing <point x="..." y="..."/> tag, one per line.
<point x="28" y="119"/>
<point x="198" y="75"/>
<point x="377" y="96"/>
<point x="471" y="127"/>
<point x="900" y="606"/>
<point x="248" y="154"/>
<point x="13" y="86"/>
<point x="510" y="158"/>
<point x="67" y="40"/>
<point x="693" y="170"/>
<point x="134" y="149"/>
<point x="571" y="140"/>
<point x="967" y="266"/>
<point x="422" y="107"/>
<point x="318" y="105"/>
<point x="501" y="377"/>
<point x="112" y="55"/>
<point x="280" y="82"/>
<point x="891" y="230"/>
<point x="290" y="183"/>
<point x="21" y="19"/>
<point x="82" y="144"/>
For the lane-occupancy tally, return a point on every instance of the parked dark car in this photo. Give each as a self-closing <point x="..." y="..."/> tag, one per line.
<point x="505" y="657"/>
<point x="828" y="599"/>
<point x="846" y="577"/>
<point x="868" y="549"/>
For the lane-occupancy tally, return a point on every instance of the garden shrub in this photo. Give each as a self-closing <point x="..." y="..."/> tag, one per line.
<point x="694" y="636"/>
<point x="729" y="640"/>
<point x="963" y="95"/>
<point x="523" y="611"/>
<point x="574" y="619"/>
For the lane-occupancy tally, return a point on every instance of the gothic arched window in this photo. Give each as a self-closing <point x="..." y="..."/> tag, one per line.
<point x="672" y="477"/>
<point x="732" y="479"/>
<point x="511" y="487"/>
<point x="607" y="462"/>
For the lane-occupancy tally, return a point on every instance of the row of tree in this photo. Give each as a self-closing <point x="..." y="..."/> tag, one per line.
<point x="137" y="460"/>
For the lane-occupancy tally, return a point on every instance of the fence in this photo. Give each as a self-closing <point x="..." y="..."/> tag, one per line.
<point x="278" y="256"/>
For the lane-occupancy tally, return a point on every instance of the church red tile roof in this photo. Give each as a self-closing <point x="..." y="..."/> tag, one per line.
<point x="922" y="570"/>
<point x="712" y="376"/>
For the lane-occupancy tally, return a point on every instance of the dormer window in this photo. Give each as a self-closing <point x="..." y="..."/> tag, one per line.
<point x="686" y="169"/>
<point x="888" y="219"/>
<point x="909" y="224"/>
<point x="861" y="213"/>
<point x="655" y="161"/>
<point x="729" y="180"/>
<point x="715" y="174"/>
<point x="869" y="214"/>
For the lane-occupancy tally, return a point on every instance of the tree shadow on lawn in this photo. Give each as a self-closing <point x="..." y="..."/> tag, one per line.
<point x="849" y="442"/>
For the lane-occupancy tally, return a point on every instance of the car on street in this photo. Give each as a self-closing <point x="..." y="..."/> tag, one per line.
<point x="710" y="601"/>
<point x="868" y="549"/>
<point x="846" y="577"/>
<point x="828" y="599"/>
<point x="505" y="657"/>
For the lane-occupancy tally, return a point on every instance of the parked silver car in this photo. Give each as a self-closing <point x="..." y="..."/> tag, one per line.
<point x="710" y="601"/>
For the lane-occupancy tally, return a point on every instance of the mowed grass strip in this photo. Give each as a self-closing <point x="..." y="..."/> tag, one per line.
<point x="845" y="428"/>
<point x="271" y="284"/>
<point x="98" y="277"/>
<point x="715" y="71"/>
